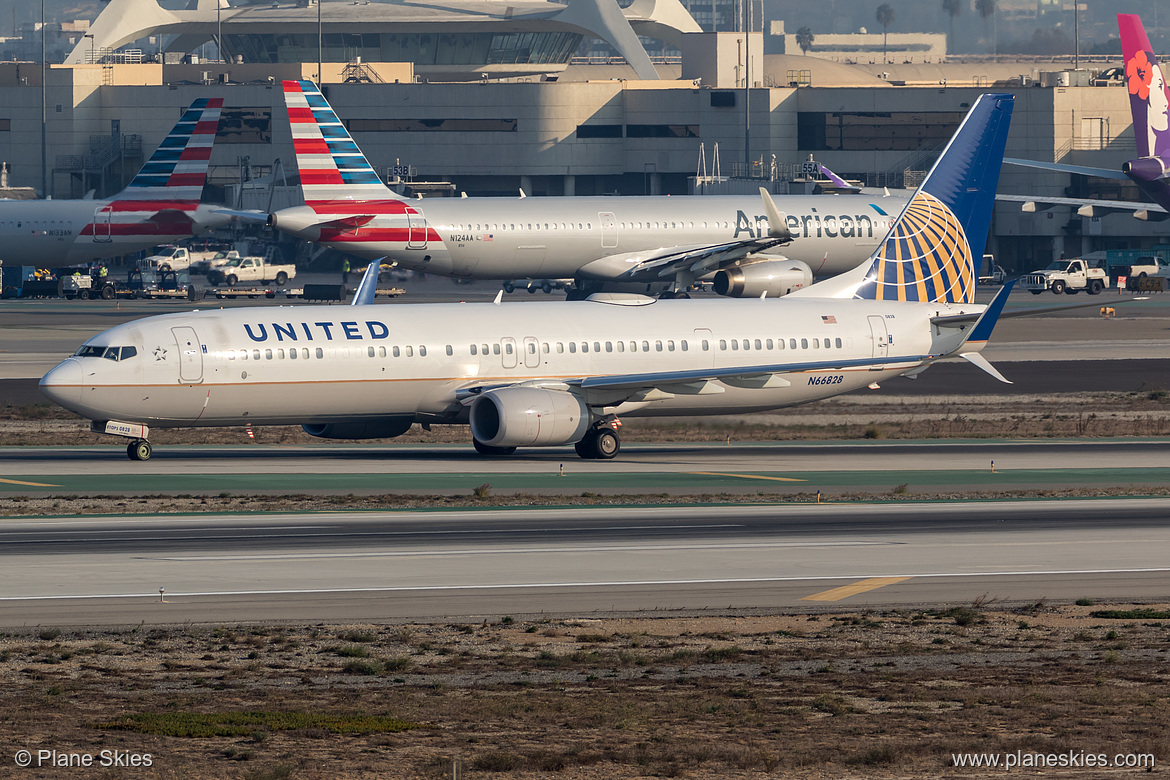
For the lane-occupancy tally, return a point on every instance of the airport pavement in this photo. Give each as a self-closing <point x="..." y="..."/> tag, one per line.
<point x="438" y="565"/>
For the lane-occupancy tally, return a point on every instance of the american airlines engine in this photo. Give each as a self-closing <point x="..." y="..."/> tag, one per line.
<point x="559" y="373"/>
<point x="629" y="244"/>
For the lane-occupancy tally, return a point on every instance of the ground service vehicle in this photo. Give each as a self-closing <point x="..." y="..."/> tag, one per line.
<point x="252" y="269"/>
<point x="1066" y="276"/>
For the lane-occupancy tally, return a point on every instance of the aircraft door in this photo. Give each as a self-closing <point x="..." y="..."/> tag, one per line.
<point x="531" y="352"/>
<point x="416" y="234"/>
<point x="190" y="355"/>
<point x="609" y="230"/>
<point x="101" y="225"/>
<point x="881" y="338"/>
<point x="508" y="352"/>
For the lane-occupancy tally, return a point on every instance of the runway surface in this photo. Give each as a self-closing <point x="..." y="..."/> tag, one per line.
<point x="434" y="565"/>
<point x="937" y="465"/>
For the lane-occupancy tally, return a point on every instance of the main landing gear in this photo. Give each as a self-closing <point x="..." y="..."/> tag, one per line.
<point x="601" y="442"/>
<point x="139" y="449"/>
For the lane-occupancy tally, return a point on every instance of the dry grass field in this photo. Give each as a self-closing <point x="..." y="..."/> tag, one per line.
<point x="817" y="695"/>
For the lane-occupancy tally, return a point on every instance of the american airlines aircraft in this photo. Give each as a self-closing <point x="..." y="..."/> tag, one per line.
<point x="161" y="205"/>
<point x="599" y="241"/>
<point x="559" y="373"/>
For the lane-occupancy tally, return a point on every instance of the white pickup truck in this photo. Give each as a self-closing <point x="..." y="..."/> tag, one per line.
<point x="215" y="260"/>
<point x="251" y="269"/>
<point x="1066" y="276"/>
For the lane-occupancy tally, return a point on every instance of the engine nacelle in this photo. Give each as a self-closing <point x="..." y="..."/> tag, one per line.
<point x="774" y="277"/>
<point x="381" y="428"/>
<point x="528" y="417"/>
<point x="1147" y="169"/>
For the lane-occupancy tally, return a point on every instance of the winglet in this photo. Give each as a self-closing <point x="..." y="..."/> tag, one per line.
<point x="369" y="285"/>
<point x="976" y="359"/>
<point x="777" y="221"/>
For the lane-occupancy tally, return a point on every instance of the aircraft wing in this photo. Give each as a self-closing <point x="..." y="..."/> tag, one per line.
<point x="1084" y="170"/>
<point x="1088" y="208"/>
<point x="655" y="264"/>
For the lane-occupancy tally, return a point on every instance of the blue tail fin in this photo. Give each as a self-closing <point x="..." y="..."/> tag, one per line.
<point x="931" y="252"/>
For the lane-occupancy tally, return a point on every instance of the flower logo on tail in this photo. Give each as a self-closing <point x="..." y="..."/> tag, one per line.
<point x="1139" y="74"/>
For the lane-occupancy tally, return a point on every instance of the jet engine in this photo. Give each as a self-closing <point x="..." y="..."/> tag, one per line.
<point x="1147" y="169"/>
<point x="774" y="277"/>
<point x="528" y="417"/>
<point x="379" y="428"/>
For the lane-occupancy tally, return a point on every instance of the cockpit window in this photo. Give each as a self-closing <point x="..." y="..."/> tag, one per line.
<point x="109" y="353"/>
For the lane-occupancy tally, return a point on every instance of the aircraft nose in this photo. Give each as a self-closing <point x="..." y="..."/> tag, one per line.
<point x="62" y="385"/>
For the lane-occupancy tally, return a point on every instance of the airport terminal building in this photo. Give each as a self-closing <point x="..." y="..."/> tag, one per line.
<point x="549" y="126"/>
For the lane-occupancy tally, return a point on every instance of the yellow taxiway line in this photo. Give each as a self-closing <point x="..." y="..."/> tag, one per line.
<point x="746" y="476"/>
<point x="30" y="484"/>
<point x="845" y="591"/>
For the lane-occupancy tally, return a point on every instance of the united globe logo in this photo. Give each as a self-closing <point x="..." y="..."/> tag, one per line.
<point x="926" y="257"/>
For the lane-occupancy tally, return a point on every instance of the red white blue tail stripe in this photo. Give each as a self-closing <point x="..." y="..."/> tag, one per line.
<point x="331" y="165"/>
<point x="177" y="170"/>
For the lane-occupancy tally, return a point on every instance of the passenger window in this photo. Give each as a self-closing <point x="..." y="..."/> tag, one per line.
<point x="597" y="346"/>
<point x="410" y="351"/>
<point x="560" y="347"/>
<point x="292" y="354"/>
<point x="531" y="348"/>
<point x="495" y="349"/>
<point x="670" y="346"/>
<point x="449" y="350"/>
<point x="735" y="345"/>
<point x="508" y="348"/>
<point x="804" y="343"/>
<point x="320" y="353"/>
<point x="816" y="343"/>
<point x="280" y="354"/>
<point x="397" y="352"/>
<point x="609" y="346"/>
<point x="621" y="346"/>
<point x="684" y="345"/>
<point x="243" y="354"/>
<point x="723" y="344"/>
<point x="584" y="346"/>
<point x="706" y="345"/>
<point x="633" y="346"/>
<point x="573" y="347"/>
<point x="268" y="354"/>
<point x="645" y="346"/>
<point x="759" y="344"/>
<point x="381" y="352"/>
<point x="769" y="343"/>
<point x="792" y="343"/>
<point x="838" y="343"/>
<point x="422" y="351"/>
<point x="483" y="348"/>
<point x="305" y="353"/>
<point x="544" y="346"/>
<point x="370" y="351"/>
<point x="474" y="349"/>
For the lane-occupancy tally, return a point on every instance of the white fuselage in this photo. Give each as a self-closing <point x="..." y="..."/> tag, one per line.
<point x="554" y="238"/>
<point x="58" y="233"/>
<point x="231" y="367"/>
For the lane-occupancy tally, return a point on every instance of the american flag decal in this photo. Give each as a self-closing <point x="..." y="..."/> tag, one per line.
<point x="828" y="319"/>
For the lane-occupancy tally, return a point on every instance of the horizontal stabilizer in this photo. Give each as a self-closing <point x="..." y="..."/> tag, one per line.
<point x="259" y="217"/>
<point x="976" y="359"/>
<point x="1083" y="170"/>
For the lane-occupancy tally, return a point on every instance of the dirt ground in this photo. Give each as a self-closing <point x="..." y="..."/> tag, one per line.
<point x="823" y="694"/>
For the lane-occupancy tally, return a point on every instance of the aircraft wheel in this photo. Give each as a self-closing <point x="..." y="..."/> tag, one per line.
<point x="531" y="289"/>
<point x="139" y="449"/>
<point x="485" y="449"/>
<point x="607" y="444"/>
<point x="584" y="448"/>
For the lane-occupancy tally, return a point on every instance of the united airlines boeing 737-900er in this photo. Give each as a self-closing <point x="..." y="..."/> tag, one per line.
<point x="160" y="205"/>
<point x="559" y="373"/>
<point x="601" y="242"/>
